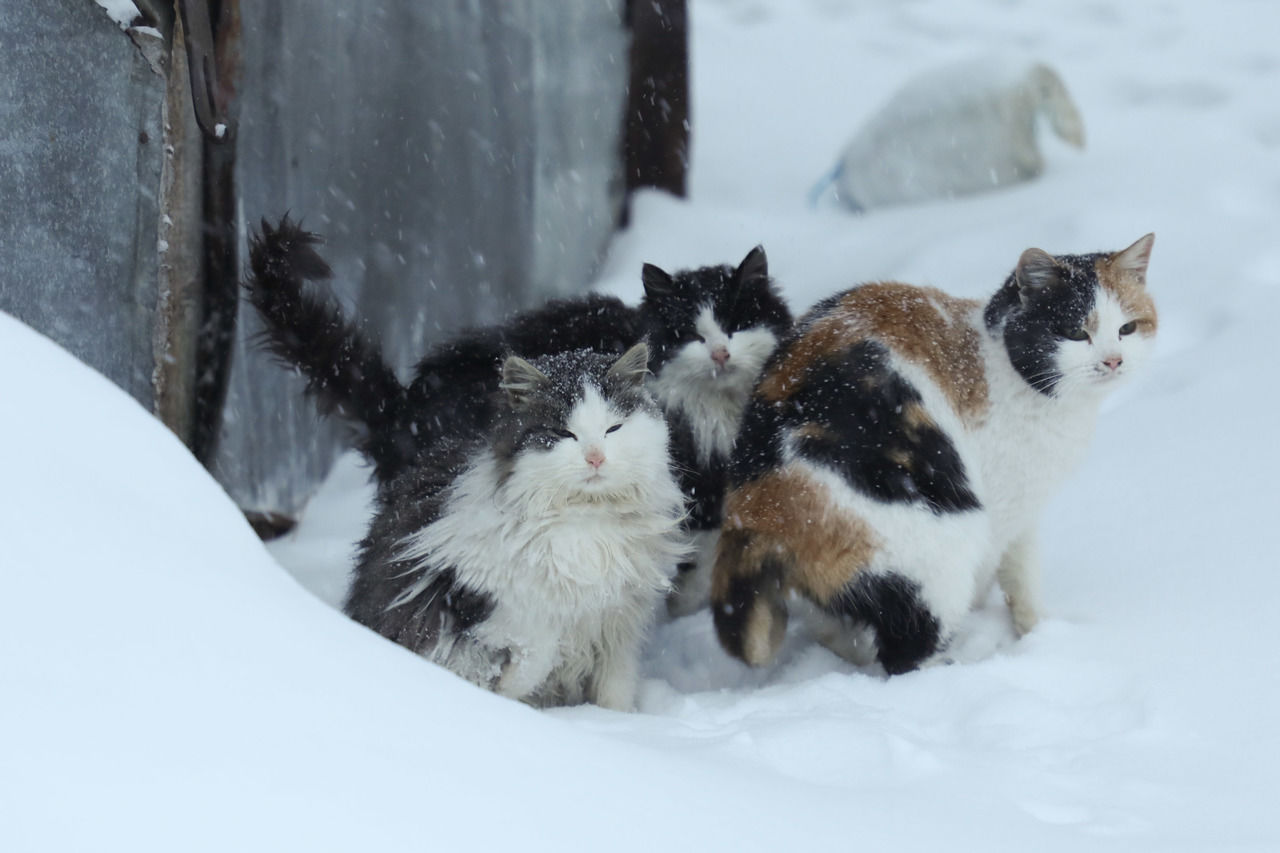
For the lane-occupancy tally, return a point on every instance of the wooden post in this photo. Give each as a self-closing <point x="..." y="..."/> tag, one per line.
<point x="212" y="29"/>
<point x="656" y="140"/>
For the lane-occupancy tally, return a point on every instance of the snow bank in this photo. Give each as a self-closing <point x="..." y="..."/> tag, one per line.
<point x="169" y="687"/>
<point x="123" y="12"/>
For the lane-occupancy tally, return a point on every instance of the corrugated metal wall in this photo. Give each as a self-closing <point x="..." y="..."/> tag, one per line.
<point x="461" y="156"/>
<point x="462" y="159"/>
<point x="80" y="161"/>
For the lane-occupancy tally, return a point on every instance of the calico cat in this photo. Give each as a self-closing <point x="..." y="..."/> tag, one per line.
<point x="529" y="560"/>
<point x="899" y="447"/>
<point x="713" y="327"/>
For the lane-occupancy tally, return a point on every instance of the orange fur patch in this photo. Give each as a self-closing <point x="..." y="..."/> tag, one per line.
<point x="915" y="418"/>
<point x="817" y="432"/>
<point x="927" y="327"/>
<point x="827" y="338"/>
<point x="791" y="516"/>
<point x="1131" y="292"/>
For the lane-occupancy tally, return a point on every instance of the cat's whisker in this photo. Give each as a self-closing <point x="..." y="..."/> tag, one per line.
<point x="682" y="469"/>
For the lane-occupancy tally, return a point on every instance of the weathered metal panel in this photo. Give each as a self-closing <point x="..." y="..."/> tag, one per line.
<point x="80" y="160"/>
<point x="460" y="156"/>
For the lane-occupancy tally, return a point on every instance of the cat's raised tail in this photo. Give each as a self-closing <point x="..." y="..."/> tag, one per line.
<point x="345" y="370"/>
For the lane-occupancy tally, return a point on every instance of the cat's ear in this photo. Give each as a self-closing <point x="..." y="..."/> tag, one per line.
<point x="631" y="369"/>
<point x="754" y="268"/>
<point x="657" y="282"/>
<point x="521" y="380"/>
<point x="1036" y="270"/>
<point x="1134" y="259"/>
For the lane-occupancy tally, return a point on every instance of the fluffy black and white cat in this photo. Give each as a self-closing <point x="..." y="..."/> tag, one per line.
<point x="529" y="561"/>
<point x="451" y="392"/>
<point x="898" y="450"/>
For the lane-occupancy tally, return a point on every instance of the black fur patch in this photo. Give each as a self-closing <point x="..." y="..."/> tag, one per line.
<point x="759" y="446"/>
<point x="740" y="298"/>
<point x="861" y="409"/>
<point x="345" y="370"/>
<point x="447" y="606"/>
<point x="702" y="484"/>
<point x="595" y="322"/>
<point x="444" y="607"/>
<point x="1034" y="320"/>
<point x="732" y="613"/>
<point x="906" y="631"/>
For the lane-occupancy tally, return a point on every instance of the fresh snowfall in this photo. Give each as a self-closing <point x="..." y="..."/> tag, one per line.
<point x="172" y="684"/>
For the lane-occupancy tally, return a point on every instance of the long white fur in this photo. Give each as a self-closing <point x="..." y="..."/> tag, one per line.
<point x="713" y="398"/>
<point x="575" y="558"/>
<point x="1015" y="457"/>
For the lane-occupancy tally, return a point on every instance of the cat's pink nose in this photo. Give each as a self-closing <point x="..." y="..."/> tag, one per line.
<point x="1113" y="362"/>
<point x="595" y="457"/>
<point x="720" y="355"/>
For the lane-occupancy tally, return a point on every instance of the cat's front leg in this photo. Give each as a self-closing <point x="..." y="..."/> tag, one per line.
<point x="526" y="670"/>
<point x="616" y="683"/>
<point x="1019" y="577"/>
<point x="617" y="673"/>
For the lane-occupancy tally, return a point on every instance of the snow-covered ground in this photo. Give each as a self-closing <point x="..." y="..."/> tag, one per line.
<point x="167" y="686"/>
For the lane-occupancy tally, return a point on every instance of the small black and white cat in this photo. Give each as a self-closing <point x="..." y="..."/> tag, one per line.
<point x="530" y="560"/>
<point x="712" y="329"/>
<point x="899" y="447"/>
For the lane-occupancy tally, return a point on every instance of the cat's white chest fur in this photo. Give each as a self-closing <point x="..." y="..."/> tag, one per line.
<point x="1025" y="447"/>
<point x="709" y="380"/>
<point x="565" y="577"/>
<point x="1015" y="455"/>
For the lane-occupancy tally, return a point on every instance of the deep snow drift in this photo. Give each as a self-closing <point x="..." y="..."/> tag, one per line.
<point x="168" y="686"/>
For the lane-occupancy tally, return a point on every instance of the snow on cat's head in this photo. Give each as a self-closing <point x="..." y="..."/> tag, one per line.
<point x="581" y="428"/>
<point x="713" y="328"/>
<point x="1077" y="324"/>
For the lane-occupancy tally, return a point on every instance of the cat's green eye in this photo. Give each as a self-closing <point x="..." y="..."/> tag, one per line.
<point x="561" y="433"/>
<point x="613" y="428"/>
<point x="1075" y="334"/>
<point x="1129" y="328"/>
